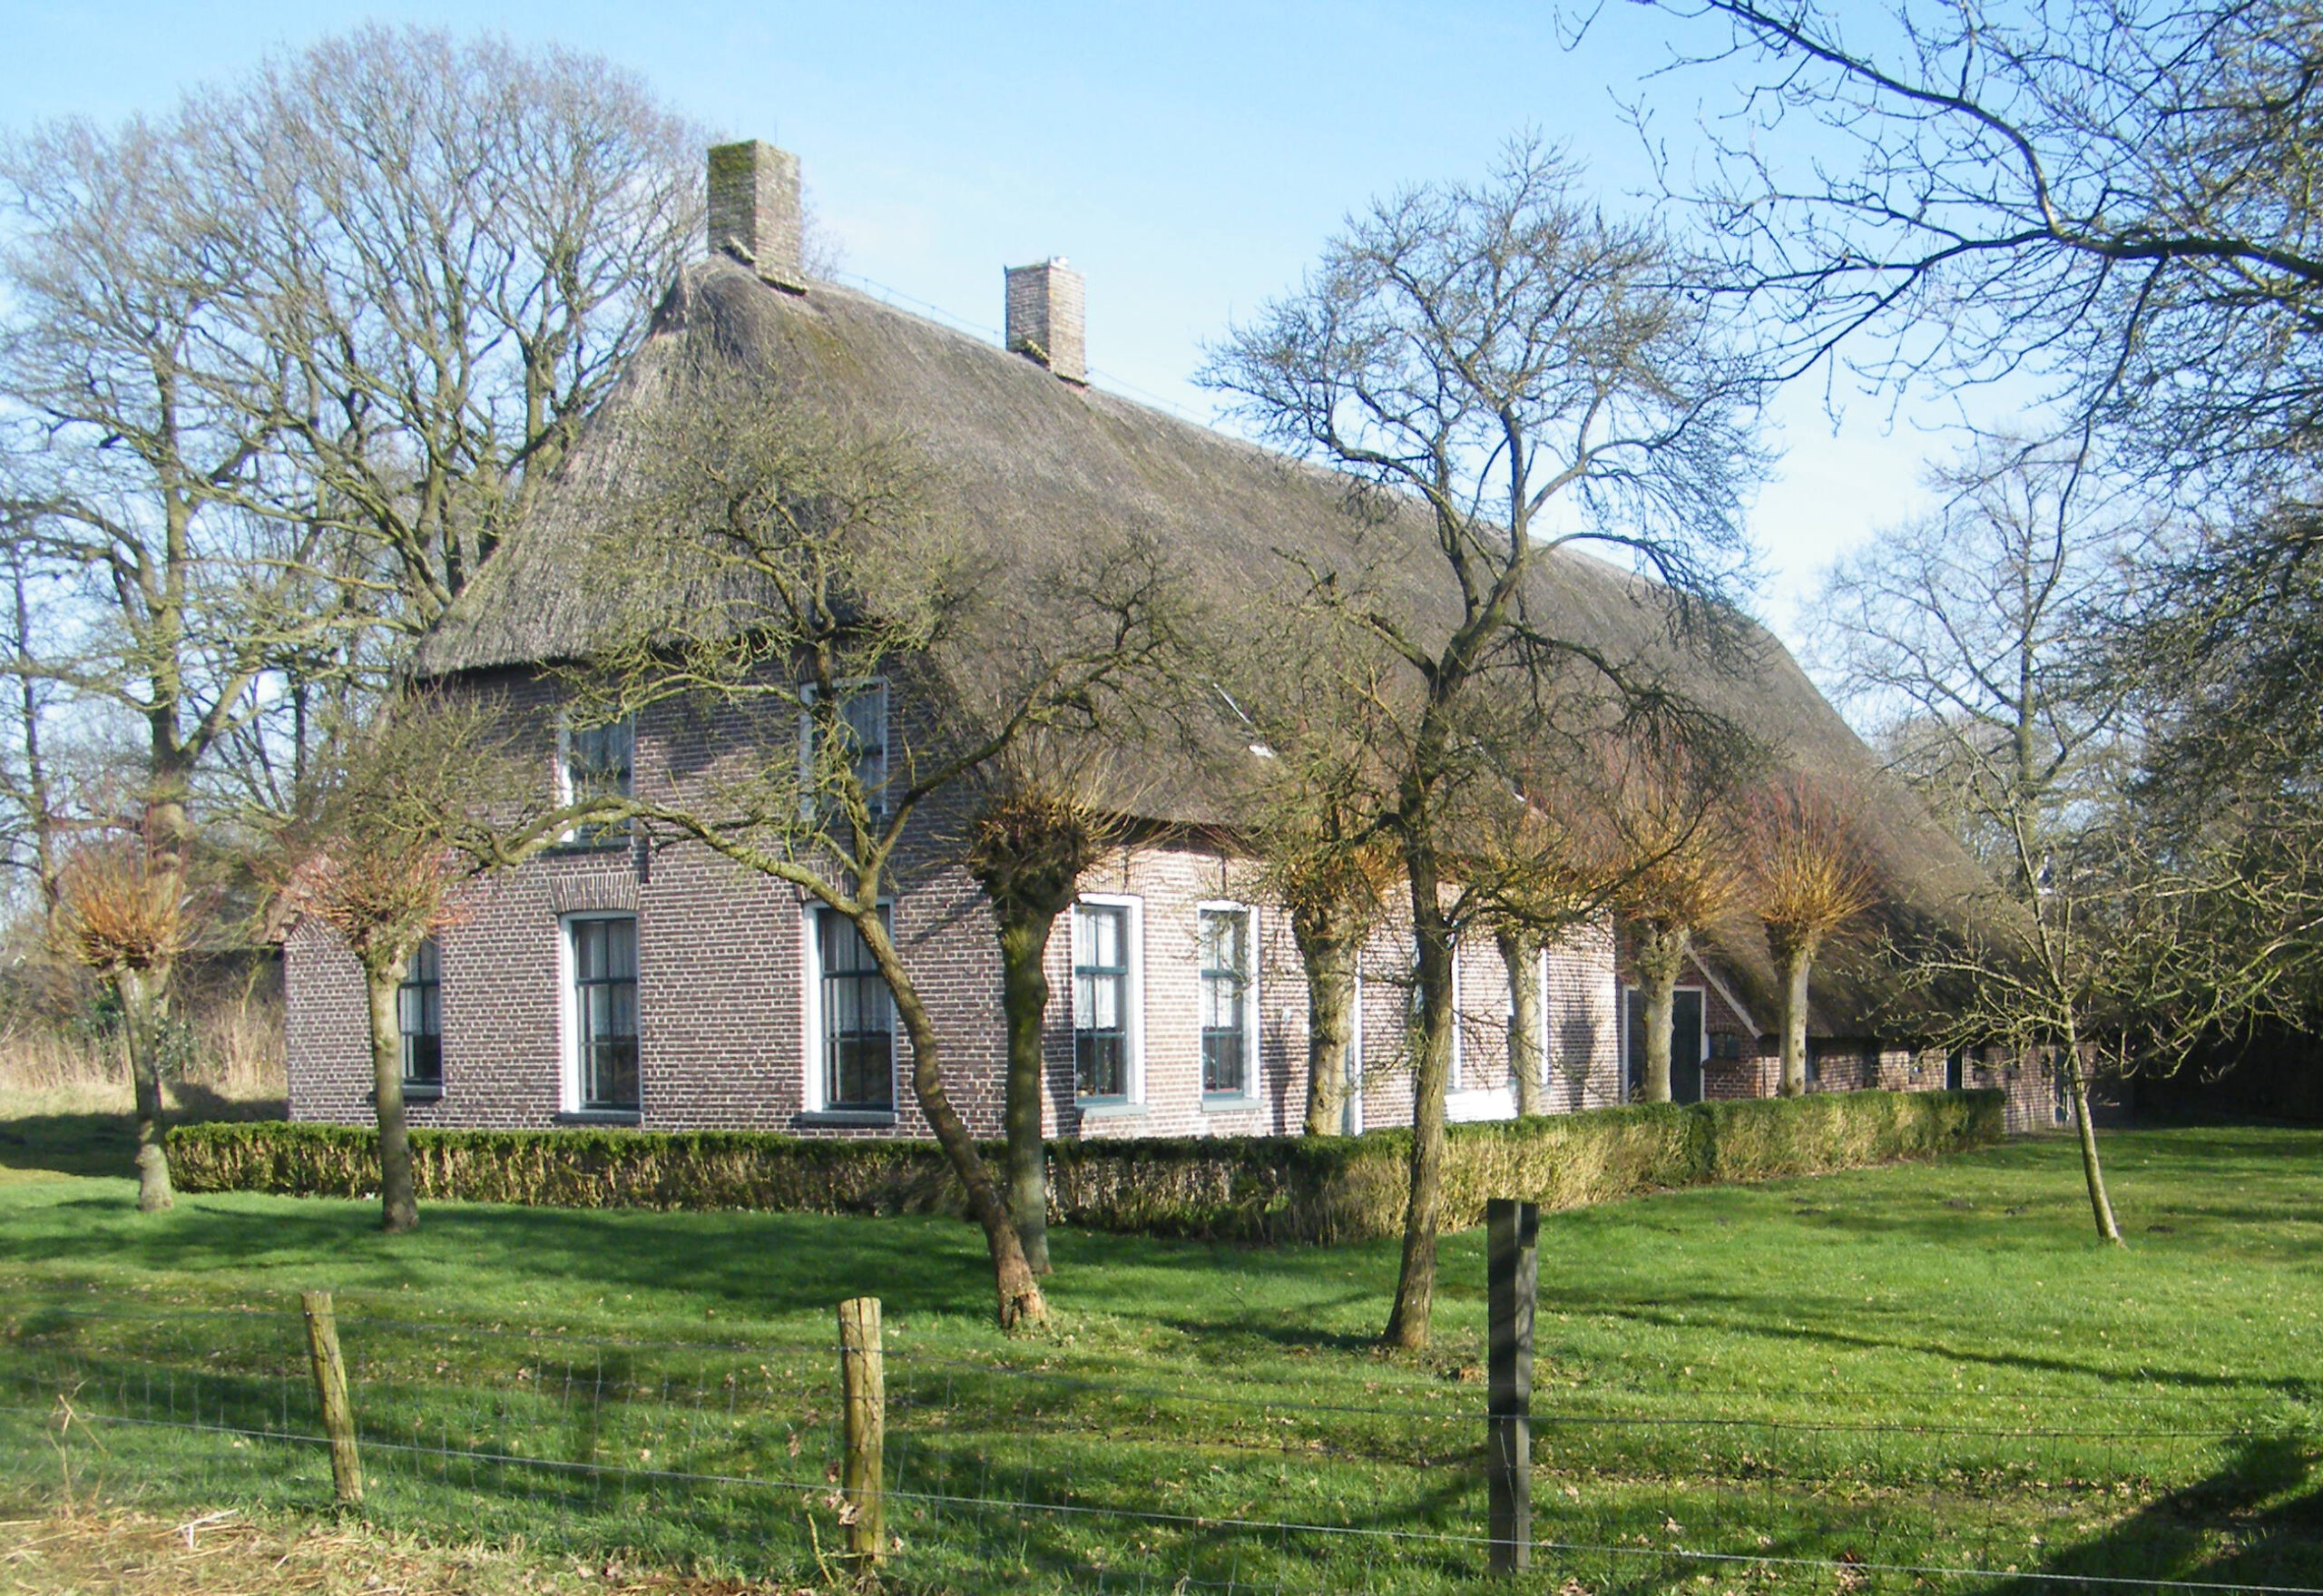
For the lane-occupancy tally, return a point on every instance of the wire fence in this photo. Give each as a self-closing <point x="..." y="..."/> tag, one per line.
<point x="1041" y="1471"/>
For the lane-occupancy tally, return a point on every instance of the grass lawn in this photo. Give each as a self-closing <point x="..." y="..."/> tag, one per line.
<point x="1922" y="1367"/>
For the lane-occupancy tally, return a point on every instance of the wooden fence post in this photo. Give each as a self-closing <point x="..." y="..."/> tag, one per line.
<point x="330" y="1387"/>
<point x="863" y="1381"/>
<point x="1513" y="1278"/>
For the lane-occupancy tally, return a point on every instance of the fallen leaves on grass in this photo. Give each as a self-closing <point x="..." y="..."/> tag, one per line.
<point x="227" y="1554"/>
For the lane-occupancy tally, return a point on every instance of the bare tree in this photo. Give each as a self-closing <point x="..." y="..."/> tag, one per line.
<point x="1964" y="640"/>
<point x="2110" y="200"/>
<point x="123" y="915"/>
<point x="1671" y="813"/>
<point x="1975" y="631"/>
<point x="785" y="580"/>
<point x="1513" y="372"/>
<point x="1039" y="824"/>
<point x="433" y="791"/>
<point x="276" y="367"/>
<point x="1810" y="877"/>
<point x="456" y="245"/>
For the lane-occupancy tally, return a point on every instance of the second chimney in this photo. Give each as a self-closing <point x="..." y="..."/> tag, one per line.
<point x="754" y="208"/>
<point x="1047" y="320"/>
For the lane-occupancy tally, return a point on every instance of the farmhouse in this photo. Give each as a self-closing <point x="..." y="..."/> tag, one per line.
<point x="611" y="981"/>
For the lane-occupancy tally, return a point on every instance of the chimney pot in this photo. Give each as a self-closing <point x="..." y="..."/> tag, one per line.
<point x="1048" y="319"/>
<point x="755" y="209"/>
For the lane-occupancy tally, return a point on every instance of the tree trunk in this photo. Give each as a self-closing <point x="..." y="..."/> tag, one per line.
<point x="1409" y="1321"/>
<point x="1661" y="958"/>
<point x="2101" y="1206"/>
<point x="1329" y="963"/>
<point x="1018" y="1290"/>
<point x="1025" y="999"/>
<point x="141" y="994"/>
<point x="1796" y="957"/>
<point x="1527" y="1055"/>
<point x="399" y="1201"/>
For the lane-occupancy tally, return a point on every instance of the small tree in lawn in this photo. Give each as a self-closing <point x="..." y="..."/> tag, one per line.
<point x="122" y="913"/>
<point x="433" y="791"/>
<point x="1810" y="878"/>
<point x="1038" y="828"/>
<point x="779" y="584"/>
<point x="1688" y="876"/>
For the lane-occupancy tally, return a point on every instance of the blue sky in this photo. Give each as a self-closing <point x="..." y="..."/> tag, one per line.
<point x="1190" y="158"/>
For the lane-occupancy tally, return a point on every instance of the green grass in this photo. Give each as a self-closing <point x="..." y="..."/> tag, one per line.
<point x="1921" y="1366"/>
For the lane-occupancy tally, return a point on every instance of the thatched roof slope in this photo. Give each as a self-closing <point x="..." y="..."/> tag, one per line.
<point x="1030" y="461"/>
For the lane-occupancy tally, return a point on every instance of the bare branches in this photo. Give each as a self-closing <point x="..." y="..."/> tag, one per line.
<point x="2107" y="197"/>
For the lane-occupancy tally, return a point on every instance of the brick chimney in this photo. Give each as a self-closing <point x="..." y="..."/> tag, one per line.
<point x="754" y="208"/>
<point x="1047" y="320"/>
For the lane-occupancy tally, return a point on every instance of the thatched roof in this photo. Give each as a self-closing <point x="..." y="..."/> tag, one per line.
<point x="1029" y="461"/>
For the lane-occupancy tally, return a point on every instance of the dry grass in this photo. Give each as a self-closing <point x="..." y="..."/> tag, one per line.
<point x="50" y="1067"/>
<point x="111" y="1550"/>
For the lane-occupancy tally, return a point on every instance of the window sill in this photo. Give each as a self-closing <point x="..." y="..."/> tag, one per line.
<point x="1222" y="1103"/>
<point x="587" y="844"/>
<point x="1111" y="1109"/>
<point x="423" y="1092"/>
<point x="834" y="1119"/>
<point x="598" y="1117"/>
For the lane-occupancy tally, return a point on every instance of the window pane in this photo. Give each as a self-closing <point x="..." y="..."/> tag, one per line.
<point x="604" y="965"/>
<point x="857" y="1019"/>
<point x="1223" y="1061"/>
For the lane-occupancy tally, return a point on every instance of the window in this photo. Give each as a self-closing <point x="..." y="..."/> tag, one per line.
<point x="419" y="1016"/>
<point x="857" y="1019"/>
<point x="1226" y="1007"/>
<point x="1102" y="1000"/>
<point x="863" y="715"/>
<point x="596" y="761"/>
<point x="604" y="1013"/>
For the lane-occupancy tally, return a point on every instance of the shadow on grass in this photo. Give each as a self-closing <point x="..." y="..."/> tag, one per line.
<point x="2257" y="1521"/>
<point x="93" y="1142"/>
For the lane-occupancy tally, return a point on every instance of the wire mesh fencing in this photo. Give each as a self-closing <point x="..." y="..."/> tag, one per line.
<point x="1030" y="1468"/>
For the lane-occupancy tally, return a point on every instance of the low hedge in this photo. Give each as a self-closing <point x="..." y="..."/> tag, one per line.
<point x="1272" y="1188"/>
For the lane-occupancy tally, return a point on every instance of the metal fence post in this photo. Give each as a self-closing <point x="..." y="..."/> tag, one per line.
<point x="330" y="1387"/>
<point x="863" y="1382"/>
<point x="1512" y="1277"/>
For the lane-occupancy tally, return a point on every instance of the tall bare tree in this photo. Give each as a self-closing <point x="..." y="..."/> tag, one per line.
<point x="1514" y="371"/>
<point x="785" y="580"/>
<point x="456" y="244"/>
<point x="275" y="367"/>
<point x="1972" y="631"/>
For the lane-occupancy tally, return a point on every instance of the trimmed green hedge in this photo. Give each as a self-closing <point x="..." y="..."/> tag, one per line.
<point x="1245" y="1188"/>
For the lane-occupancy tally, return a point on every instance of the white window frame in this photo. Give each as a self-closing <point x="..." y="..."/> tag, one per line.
<point x="852" y="687"/>
<point x="1134" y="1066"/>
<point x="568" y="1013"/>
<point x="811" y="1022"/>
<point x="1249" y="1095"/>
<point x="1351" y="1109"/>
